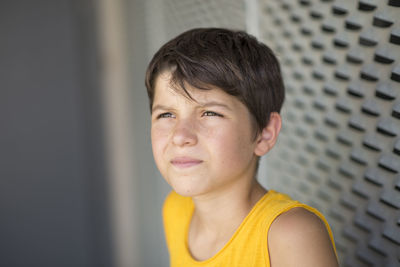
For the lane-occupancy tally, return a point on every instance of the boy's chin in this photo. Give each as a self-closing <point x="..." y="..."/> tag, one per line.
<point x="186" y="191"/>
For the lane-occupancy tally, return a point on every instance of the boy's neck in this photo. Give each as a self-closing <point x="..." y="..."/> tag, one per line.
<point x="216" y="219"/>
<point x="227" y="210"/>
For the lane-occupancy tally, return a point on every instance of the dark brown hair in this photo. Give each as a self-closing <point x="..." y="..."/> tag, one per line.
<point x="233" y="61"/>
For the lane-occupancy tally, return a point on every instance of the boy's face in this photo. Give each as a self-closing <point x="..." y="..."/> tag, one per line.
<point x="201" y="147"/>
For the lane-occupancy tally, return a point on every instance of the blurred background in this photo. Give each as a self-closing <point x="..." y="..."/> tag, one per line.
<point x="78" y="185"/>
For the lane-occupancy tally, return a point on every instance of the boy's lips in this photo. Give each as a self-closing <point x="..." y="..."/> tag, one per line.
<point x="185" y="162"/>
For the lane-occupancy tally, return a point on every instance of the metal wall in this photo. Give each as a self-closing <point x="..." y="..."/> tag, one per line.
<point x="339" y="149"/>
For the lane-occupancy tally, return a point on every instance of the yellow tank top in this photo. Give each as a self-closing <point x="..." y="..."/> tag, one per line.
<point x="248" y="247"/>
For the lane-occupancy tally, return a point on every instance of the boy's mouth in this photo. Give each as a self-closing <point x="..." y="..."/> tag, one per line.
<point x="185" y="162"/>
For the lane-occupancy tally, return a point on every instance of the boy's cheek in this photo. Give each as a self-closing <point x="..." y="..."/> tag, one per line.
<point x="157" y="144"/>
<point x="159" y="132"/>
<point x="157" y="147"/>
<point x="158" y="159"/>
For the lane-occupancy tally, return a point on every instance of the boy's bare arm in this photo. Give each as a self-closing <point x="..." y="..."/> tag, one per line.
<point x="299" y="238"/>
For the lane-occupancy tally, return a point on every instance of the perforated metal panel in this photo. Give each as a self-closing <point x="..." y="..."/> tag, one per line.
<point x="183" y="15"/>
<point x="339" y="149"/>
<point x="167" y="18"/>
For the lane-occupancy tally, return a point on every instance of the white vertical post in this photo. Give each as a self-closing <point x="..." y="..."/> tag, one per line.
<point x="118" y="130"/>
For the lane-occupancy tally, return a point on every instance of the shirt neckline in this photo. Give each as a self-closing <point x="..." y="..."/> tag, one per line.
<point x="231" y="240"/>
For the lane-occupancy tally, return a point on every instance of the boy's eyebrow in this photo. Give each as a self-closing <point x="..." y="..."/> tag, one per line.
<point x="215" y="103"/>
<point x="162" y="107"/>
<point x="203" y="105"/>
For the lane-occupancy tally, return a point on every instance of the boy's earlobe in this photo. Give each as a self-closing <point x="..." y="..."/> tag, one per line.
<point x="269" y="135"/>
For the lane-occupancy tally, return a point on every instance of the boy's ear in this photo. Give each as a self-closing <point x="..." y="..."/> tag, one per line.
<point x="267" y="138"/>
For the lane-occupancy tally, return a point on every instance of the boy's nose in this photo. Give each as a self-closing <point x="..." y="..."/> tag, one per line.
<point x="184" y="134"/>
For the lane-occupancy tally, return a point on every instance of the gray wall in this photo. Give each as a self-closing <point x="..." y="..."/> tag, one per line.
<point x="339" y="149"/>
<point x="53" y="202"/>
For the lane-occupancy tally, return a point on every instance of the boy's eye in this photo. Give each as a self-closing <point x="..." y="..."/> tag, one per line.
<point x="211" y="113"/>
<point x="165" y="115"/>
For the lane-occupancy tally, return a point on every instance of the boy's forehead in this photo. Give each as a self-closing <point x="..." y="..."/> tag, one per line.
<point x="164" y="85"/>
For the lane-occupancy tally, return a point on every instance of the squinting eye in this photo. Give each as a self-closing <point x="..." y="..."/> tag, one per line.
<point x="211" y="113"/>
<point x="165" y="115"/>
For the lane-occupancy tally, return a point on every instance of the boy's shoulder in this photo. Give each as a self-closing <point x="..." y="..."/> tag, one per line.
<point x="299" y="232"/>
<point x="291" y="215"/>
<point x="295" y="220"/>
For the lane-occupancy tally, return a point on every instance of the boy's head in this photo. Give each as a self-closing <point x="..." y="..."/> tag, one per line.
<point x="232" y="61"/>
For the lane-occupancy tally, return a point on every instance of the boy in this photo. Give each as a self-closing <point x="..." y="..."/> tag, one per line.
<point x="215" y="97"/>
